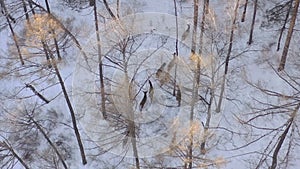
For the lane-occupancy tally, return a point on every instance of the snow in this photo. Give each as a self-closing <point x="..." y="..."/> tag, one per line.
<point x="151" y="32"/>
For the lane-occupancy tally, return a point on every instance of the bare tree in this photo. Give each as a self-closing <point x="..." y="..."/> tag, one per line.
<point x="69" y="104"/>
<point x="202" y="25"/>
<point x="284" y="24"/>
<point x="283" y="137"/>
<point x="8" y="19"/>
<point x="244" y="12"/>
<point x="252" y="23"/>
<point x="278" y="138"/>
<point x="39" y="127"/>
<point x="289" y="36"/>
<point x="109" y="10"/>
<point x="228" y="56"/>
<point x="100" y="64"/>
<point x="53" y="33"/>
<point x="196" y="82"/>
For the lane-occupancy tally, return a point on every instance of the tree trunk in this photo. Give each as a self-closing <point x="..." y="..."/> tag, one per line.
<point x="208" y="117"/>
<point x="176" y="49"/>
<point x="196" y="81"/>
<point x="8" y="18"/>
<point x="46" y="54"/>
<point x="131" y="116"/>
<point x="228" y="57"/>
<point x="253" y="23"/>
<point x="244" y="12"/>
<point x="100" y="65"/>
<point x="109" y="10"/>
<point x="132" y="134"/>
<point x="284" y="24"/>
<point x="202" y="26"/>
<point x="53" y="33"/>
<point x="31" y="7"/>
<point x="195" y="25"/>
<point x="25" y="10"/>
<point x="50" y="142"/>
<point x="289" y="37"/>
<point x="282" y="138"/>
<point x="69" y="104"/>
<point x="118" y="8"/>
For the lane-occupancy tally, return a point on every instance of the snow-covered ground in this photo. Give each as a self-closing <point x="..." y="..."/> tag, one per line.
<point x="147" y="31"/>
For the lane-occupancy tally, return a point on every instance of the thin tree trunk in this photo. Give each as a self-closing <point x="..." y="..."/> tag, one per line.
<point x="31" y="7"/>
<point x="132" y="134"/>
<point x="195" y="25"/>
<point x="15" y="154"/>
<point x="284" y="24"/>
<point x="208" y="117"/>
<point x="109" y="10"/>
<point x="50" y="142"/>
<point x="25" y="10"/>
<point x="118" y="8"/>
<point x="176" y="49"/>
<point x="244" y="12"/>
<point x="53" y="33"/>
<point x="100" y="64"/>
<point x="282" y="138"/>
<point x="228" y="57"/>
<point x="46" y="54"/>
<point x="8" y="16"/>
<point x="289" y="37"/>
<point x="253" y="23"/>
<point x="205" y="9"/>
<point x="202" y="26"/>
<point x="196" y="81"/>
<point x="131" y="115"/>
<point x="69" y="104"/>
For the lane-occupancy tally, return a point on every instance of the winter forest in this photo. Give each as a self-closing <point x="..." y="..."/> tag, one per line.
<point x="146" y="84"/>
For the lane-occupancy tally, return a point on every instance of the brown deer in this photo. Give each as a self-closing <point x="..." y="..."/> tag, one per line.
<point x="142" y="103"/>
<point x="151" y="91"/>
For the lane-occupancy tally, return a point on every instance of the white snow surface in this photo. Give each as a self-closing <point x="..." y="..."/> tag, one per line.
<point x="150" y="21"/>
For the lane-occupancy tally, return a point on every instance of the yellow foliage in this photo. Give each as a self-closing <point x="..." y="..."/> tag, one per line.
<point x="195" y="58"/>
<point x="41" y="28"/>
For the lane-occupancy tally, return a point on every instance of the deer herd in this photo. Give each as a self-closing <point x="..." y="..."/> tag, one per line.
<point x="164" y="78"/>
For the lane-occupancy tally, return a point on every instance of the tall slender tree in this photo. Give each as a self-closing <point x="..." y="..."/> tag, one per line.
<point x="69" y="104"/>
<point x="196" y="82"/>
<point x="100" y="63"/>
<point x="109" y="9"/>
<point x="176" y="48"/>
<point x="228" y="56"/>
<point x="244" y="12"/>
<point x="252" y="23"/>
<point x="9" y="18"/>
<point x="284" y="24"/>
<point x="289" y="36"/>
<point x="53" y="33"/>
